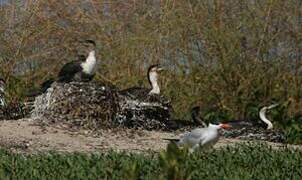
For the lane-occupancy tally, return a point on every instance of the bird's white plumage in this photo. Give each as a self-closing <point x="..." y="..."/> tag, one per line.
<point x="89" y="65"/>
<point x="263" y="117"/>
<point x="1" y="89"/>
<point x="200" y="137"/>
<point x="153" y="79"/>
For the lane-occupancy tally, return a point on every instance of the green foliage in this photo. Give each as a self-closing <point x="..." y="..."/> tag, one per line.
<point x="171" y="162"/>
<point x="293" y="131"/>
<point x="241" y="162"/>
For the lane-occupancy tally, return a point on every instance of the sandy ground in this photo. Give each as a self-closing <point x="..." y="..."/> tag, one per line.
<point x="28" y="136"/>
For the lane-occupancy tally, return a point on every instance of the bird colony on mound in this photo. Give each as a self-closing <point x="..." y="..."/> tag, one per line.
<point x="74" y="98"/>
<point x="96" y="105"/>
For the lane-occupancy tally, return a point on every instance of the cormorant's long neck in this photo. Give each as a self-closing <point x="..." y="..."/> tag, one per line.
<point x="89" y="64"/>
<point x="152" y="76"/>
<point x="197" y="120"/>
<point x="264" y="119"/>
<point x="91" y="57"/>
<point x="1" y="90"/>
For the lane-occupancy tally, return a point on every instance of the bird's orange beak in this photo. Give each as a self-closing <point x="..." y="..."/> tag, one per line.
<point x="225" y="126"/>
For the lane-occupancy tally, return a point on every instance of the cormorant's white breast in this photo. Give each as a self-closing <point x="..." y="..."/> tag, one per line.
<point x="153" y="78"/>
<point x="89" y="65"/>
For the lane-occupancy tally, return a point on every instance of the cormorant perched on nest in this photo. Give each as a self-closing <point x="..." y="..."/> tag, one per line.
<point x="82" y="70"/>
<point x="144" y="107"/>
<point x="263" y="124"/>
<point x="84" y="67"/>
<point x="247" y="129"/>
<point x="140" y="92"/>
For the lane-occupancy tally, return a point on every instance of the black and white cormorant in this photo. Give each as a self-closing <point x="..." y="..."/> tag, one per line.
<point x="83" y="68"/>
<point x="2" y="93"/>
<point x="265" y="123"/>
<point x="263" y="130"/>
<point x="152" y="75"/>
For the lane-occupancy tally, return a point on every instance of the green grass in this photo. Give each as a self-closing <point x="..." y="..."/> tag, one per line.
<point x="240" y="162"/>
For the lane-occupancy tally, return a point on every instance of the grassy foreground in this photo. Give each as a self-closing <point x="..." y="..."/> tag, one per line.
<point x="240" y="162"/>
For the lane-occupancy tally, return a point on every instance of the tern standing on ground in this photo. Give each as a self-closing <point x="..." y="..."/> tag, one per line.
<point x="201" y="137"/>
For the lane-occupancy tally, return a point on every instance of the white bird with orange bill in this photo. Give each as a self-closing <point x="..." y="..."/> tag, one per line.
<point x="201" y="137"/>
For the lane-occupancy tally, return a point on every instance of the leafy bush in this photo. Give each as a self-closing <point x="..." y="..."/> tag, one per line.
<point x="240" y="162"/>
<point x="293" y="131"/>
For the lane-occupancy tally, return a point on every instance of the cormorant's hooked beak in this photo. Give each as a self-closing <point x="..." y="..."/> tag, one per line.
<point x="88" y="41"/>
<point x="159" y="69"/>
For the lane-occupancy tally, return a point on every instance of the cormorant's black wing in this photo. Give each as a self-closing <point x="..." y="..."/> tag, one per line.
<point x="46" y="84"/>
<point x="69" y="70"/>
<point x="38" y="91"/>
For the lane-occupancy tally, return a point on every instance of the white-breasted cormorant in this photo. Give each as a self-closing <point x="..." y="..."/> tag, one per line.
<point x="82" y="69"/>
<point x="153" y="80"/>
<point x="264" y="123"/>
<point x="262" y="130"/>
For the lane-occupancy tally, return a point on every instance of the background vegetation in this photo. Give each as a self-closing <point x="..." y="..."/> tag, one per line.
<point x="230" y="57"/>
<point x="241" y="162"/>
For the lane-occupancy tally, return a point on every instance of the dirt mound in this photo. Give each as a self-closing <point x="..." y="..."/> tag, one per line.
<point x="92" y="105"/>
<point x="100" y="106"/>
<point x="151" y="112"/>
